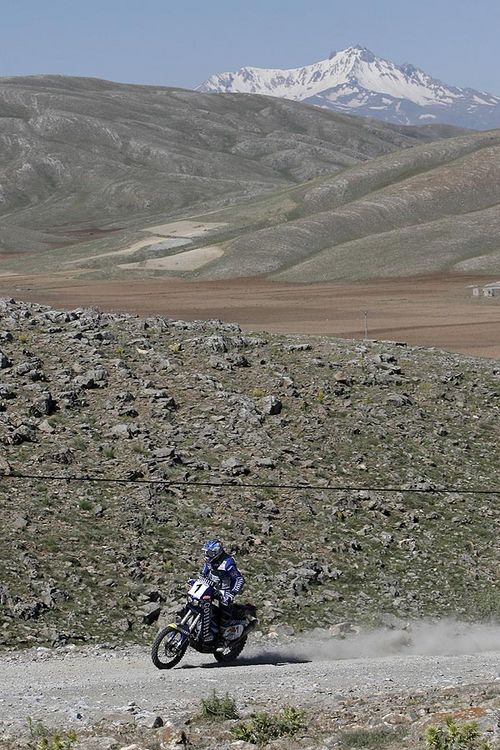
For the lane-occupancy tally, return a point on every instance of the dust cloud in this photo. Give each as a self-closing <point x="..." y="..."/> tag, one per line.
<point x="443" y="638"/>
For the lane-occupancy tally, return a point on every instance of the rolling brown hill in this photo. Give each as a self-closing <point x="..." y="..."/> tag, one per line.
<point x="431" y="208"/>
<point x="81" y="154"/>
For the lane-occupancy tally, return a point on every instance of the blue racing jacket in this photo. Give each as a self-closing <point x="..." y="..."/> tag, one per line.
<point x="224" y="575"/>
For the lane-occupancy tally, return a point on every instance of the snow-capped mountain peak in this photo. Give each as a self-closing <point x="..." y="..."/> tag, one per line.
<point x="356" y="81"/>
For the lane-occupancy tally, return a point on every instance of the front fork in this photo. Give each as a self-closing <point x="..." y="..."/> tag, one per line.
<point x="191" y="625"/>
<point x="190" y="621"/>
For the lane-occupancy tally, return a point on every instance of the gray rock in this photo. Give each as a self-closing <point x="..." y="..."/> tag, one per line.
<point x="386" y="538"/>
<point x="150" y="613"/>
<point x="125" y="430"/>
<point x="23" y="434"/>
<point x="149" y="720"/>
<point x="29" y="610"/>
<point x="297" y="348"/>
<point x="97" y="377"/>
<point x="341" y="629"/>
<point x="124" y="625"/>
<point x="44" y="406"/>
<point x="218" y="343"/>
<point x="234" y="466"/>
<point x="399" y="399"/>
<point x="4" y="361"/>
<point x="271" y="405"/>
<point x="7" y="391"/>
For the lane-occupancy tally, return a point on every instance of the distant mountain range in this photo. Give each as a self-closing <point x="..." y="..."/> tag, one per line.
<point x="355" y="81"/>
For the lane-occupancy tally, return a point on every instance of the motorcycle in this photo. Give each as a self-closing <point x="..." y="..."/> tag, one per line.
<point x="199" y="625"/>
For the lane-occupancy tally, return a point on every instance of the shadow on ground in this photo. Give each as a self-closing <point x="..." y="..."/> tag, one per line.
<point x="273" y="658"/>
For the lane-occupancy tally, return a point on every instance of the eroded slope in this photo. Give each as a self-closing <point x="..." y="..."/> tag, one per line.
<point x="431" y="208"/>
<point x="84" y="154"/>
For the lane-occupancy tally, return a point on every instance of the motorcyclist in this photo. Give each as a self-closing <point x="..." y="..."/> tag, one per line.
<point x="222" y="572"/>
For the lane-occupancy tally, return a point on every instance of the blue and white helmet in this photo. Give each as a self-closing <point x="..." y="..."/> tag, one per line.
<point x="212" y="550"/>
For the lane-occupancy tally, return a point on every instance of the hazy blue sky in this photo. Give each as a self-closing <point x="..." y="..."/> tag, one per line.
<point x="181" y="43"/>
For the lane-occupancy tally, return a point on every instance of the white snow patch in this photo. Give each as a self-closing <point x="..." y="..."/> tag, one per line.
<point x="351" y="71"/>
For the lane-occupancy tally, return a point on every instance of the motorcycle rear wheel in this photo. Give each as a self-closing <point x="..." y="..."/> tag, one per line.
<point x="170" y="643"/>
<point x="231" y="653"/>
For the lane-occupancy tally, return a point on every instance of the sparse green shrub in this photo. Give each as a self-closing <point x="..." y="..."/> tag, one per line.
<point x="46" y="739"/>
<point x="139" y="448"/>
<point x="320" y="395"/>
<point x="22" y="338"/>
<point x="108" y="452"/>
<point x="216" y="708"/>
<point x="85" y="505"/>
<point x="455" y="737"/>
<point x="257" y="392"/>
<point x="263" y="727"/>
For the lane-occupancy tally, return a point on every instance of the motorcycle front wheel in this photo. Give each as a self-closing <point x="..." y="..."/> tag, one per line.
<point x="230" y="653"/>
<point x="168" y="648"/>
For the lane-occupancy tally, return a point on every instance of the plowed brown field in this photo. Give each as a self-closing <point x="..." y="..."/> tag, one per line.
<point x="435" y="310"/>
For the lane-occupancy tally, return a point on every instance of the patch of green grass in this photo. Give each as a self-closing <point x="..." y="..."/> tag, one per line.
<point x="139" y="448"/>
<point x="263" y="727"/>
<point x="85" y="505"/>
<point x="257" y="392"/>
<point x="218" y="708"/>
<point x="455" y="736"/>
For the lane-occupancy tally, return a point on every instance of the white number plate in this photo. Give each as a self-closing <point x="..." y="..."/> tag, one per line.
<point x="198" y="589"/>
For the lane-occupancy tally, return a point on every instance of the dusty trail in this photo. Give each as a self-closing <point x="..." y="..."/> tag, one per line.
<point x="82" y="686"/>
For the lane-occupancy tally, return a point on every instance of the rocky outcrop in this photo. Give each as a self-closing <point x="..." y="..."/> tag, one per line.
<point x="92" y="559"/>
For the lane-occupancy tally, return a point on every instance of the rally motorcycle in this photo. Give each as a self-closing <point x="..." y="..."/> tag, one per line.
<point x="199" y="626"/>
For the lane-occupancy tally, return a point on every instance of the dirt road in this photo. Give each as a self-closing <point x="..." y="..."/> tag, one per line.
<point x="81" y="686"/>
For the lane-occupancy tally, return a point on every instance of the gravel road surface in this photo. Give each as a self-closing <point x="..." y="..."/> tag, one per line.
<point x="81" y="686"/>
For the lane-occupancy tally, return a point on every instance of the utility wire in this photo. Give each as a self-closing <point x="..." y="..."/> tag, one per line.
<point x="246" y="485"/>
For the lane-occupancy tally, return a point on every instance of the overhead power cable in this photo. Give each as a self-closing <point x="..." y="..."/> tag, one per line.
<point x="236" y="485"/>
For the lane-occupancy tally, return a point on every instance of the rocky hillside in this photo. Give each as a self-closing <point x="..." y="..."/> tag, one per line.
<point x="79" y="156"/>
<point x="85" y="393"/>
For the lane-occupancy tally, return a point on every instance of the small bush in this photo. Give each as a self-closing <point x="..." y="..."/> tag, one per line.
<point x="263" y="727"/>
<point x="45" y="739"/>
<point x="455" y="737"/>
<point x="85" y="505"/>
<point x="257" y="392"/>
<point x="219" y="709"/>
